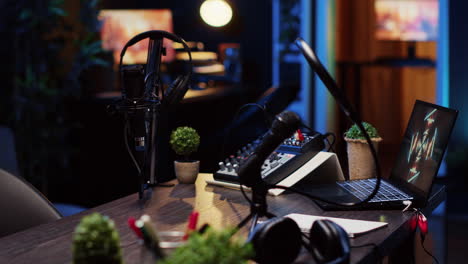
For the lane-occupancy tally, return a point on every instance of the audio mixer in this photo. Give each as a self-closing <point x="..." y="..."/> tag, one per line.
<point x="287" y="158"/>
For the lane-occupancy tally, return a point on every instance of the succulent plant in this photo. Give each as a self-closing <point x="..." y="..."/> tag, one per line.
<point x="184" y="141"/>
<point x="355" y="133"/>
<point x="96" y="240"/>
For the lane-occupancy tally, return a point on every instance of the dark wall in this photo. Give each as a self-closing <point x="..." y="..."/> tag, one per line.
<point x="7" y="63"/>
<point x="458" y="61"/>
<point x="251" y="27"/>
<point x="457" y="155"/>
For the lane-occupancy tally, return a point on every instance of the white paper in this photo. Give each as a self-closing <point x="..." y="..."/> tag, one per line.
<point x="351" y="226"/>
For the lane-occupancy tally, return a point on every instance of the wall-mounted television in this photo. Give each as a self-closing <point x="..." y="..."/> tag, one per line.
<point x="407" y="20"/>
<point x="119" y="26"/>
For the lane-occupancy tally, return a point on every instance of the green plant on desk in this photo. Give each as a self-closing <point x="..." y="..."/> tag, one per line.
<point x="96" y="241"/>
<point x="212" y="247"/>
<point x="355" y="133"/>
<point x="360" y="161"/>
<point x="185" y="141"/>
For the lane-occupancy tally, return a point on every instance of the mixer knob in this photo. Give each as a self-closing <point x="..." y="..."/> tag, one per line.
<point x="221" y="165"/>
<point x="228" y="166"/>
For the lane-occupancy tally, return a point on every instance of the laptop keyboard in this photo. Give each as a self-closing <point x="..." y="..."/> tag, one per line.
<point x="362" y="188"/>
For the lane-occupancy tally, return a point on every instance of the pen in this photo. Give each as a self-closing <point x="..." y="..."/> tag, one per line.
<point x="192" y="224"/>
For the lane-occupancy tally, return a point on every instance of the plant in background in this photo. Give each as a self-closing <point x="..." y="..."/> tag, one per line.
<point x="355" y="133"/>
<point x="52" y="50"/>
<point x="185" y="141"/>
<point x="360" y="160"/>
<point x="212" y="247"/>
<point x="96" y="240"/>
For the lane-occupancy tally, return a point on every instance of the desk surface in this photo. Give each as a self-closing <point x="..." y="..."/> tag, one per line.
<point x="192" y="95"/>
<point x="170" y="207"/>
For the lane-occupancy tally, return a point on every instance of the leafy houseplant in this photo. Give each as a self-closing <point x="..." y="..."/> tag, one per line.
<point x="96" y="241"/>
<point x="212" y="247"/>
<point x="360" y="161"/>
<point x="184" y="141"/>
<point x="54" y="44"/>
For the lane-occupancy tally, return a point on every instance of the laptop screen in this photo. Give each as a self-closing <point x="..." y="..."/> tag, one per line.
<point x="423" y="146"/>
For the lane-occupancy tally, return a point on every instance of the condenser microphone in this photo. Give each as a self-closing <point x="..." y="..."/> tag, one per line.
<point x="284" y="125"/>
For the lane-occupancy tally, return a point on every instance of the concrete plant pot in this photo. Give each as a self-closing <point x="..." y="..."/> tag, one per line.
<point x="360" y="161"/>
<point x="186" y="171"/>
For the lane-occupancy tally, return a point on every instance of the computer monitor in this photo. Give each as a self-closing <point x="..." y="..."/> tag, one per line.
<point x="119" y="26"/>
<point x="407" y="20"/>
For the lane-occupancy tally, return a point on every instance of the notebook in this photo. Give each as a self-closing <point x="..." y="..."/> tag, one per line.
<point x="417" y="164"/>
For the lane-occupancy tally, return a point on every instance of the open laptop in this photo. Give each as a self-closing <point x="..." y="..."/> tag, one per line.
<point x="416" y="166"/>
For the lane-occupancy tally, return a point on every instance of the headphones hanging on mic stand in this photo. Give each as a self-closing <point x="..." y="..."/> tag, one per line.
<point x="145" y="106"/>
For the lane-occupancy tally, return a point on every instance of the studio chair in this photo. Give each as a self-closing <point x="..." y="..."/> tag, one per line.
<point x="22" y="206"/>
<point x="9" y="163"/>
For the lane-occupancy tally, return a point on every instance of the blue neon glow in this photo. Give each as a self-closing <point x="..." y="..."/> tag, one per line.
<point x="443" y="67"/>
<point x="321" y="48"/>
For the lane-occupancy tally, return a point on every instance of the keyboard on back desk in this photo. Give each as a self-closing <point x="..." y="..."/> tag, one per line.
<point x="362" y="188"/>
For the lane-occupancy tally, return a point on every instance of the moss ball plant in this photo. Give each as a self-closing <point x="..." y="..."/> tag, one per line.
<point x="96" y="240"/>
<point x="185" y="141"/>
<point x="355" y="133"/>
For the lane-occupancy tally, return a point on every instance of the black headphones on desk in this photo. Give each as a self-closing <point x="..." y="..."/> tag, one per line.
<point x="176" y="91"/>
<point x="279" y="240"/>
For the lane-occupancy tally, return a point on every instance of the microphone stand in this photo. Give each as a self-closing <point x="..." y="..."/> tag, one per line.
<point x="151" y="107"/>
<point x="258" y="205"/>
<point x="152" y="91"/>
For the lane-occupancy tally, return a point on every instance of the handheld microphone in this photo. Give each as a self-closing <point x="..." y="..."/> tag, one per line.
<point x="284" y="125"/>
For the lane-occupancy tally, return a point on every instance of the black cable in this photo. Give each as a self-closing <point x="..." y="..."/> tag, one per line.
<point x="330" y="145"/>
<point x="245" y="195"/>
<point x="418" y="213"/>
<point x="308" y="195"/>
<point x="427" y="252"/>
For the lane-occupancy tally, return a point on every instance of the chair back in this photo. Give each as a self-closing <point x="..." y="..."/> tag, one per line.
<point x="22" y="206"/>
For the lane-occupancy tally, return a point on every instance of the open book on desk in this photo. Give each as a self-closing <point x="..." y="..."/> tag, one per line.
<point x="351" y="226"/>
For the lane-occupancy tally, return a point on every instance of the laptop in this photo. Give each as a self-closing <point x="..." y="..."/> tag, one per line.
<point x="417" y="164"/>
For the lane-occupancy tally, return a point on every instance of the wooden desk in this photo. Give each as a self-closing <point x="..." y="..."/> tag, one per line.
<point x="170" y="208"/>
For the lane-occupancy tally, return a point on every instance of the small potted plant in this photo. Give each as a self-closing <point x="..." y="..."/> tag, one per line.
<point x="184" y="141"/>
<point x="360" y="160"/>
<point x="96" y="240"/>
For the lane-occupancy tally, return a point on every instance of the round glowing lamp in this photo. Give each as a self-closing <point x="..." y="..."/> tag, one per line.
<point x="216" y="13"/>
